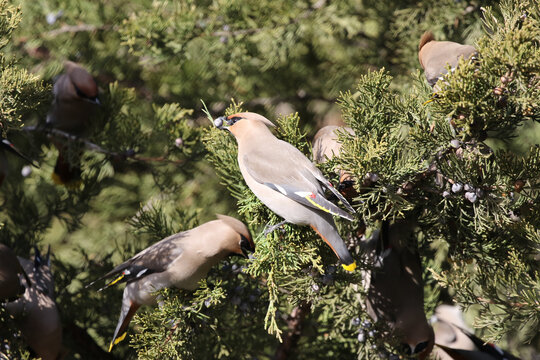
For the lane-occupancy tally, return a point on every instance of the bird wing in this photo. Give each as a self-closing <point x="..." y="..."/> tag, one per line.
<point x="283" y="168"/>
<point x="153" y="259"/>
<point x="489" y="348"/>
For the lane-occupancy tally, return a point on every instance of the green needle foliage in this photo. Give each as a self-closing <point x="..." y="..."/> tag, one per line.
<point x="462" y="163"/>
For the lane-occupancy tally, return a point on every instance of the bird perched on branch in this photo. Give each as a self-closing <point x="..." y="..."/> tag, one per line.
<point x="36" y="313"/>
<point x="75" y="102"/>
<point x="180" y="261"/>
<point x="395" y="291"/>
<point x="7" y="147"/>
<point x="454" y="340"/>
<point x="325" y="147"/>
<point x="11" y="286"/>
<point x="286" y="181"/>
<point x="435" y="56"/>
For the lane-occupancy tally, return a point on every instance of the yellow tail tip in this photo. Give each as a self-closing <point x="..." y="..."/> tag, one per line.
<point x="56" y="179"/>
<point x="117" y="340"/>
<point x="350" y="267"/>
<point x="427" y="102"/>
<point x="72" y="185"/>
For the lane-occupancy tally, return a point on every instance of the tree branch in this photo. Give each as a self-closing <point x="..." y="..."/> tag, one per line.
<point x="75" y="29"/>
<point x="295" y="323"/>
<point x="128" y="154"/>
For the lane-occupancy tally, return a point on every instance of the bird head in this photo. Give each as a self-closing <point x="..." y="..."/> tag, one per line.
<point x="243" y="243"/>
<point x="84" y="85"/>
<point x="419" y="347"/>
<point x="240" y="122"/>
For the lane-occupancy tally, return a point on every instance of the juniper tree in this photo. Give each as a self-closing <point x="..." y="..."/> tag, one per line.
<point x="478" y="245"/>
<point x="474" y="209"/>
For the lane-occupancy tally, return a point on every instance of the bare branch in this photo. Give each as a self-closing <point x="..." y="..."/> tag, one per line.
<point x="128" y="154"/>
<point x="75" y="29"/>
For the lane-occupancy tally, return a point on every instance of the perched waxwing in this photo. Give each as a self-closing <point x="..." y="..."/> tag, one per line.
<point x="286" y="181"/>
<point x="7" y="147"/>
<point x="435" y="56"/>
<point x="36" y="313"/>
<point x="325" y="147"/>
<point x="75" y="102"/>
<point x="180" y="261"/>
<point x="11" y="286"/>
<point x="454" y="341"/>
<point x="395" y="292"/>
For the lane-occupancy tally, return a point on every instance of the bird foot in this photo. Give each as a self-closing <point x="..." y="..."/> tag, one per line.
<point x="270" y="228"/>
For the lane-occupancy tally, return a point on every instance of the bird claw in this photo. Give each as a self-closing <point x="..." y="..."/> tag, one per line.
<point x="270" y="228"/>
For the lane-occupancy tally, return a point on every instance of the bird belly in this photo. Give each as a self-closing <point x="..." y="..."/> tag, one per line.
<point x="141" y="292"/>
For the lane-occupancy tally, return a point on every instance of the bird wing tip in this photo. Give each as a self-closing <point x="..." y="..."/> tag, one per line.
<point x="117" y="340"/>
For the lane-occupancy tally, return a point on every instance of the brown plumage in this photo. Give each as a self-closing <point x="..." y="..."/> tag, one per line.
<point x="325" y="147"/>
<point x="435" y="56"/>
<point x="180" y="261"/>
<point x="395" y="291"/>
<point x="36" y="313"/>
<point x="75" y="102"/>
<point x="286" y="181"/>
<point x="455" y="341"/>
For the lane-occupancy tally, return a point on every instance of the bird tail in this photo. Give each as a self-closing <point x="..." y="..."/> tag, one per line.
<point x="66" y="173"/>
<point x="128" y="311"/>
<point x="426" y="37"/>
<point x="325" y="227"/>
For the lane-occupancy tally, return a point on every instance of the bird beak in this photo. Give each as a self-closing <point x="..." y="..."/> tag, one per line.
<point x="245" y="252"/>
<point x="9" y="146"/>
<point x="247" y="246"/>
<point x="221" y="123"/>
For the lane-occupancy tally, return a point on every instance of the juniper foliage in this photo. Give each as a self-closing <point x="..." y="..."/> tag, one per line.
<point x="447" y="161"/>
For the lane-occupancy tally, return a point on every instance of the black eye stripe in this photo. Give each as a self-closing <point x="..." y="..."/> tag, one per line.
<point x="421" y="347"/>
<point x="234" y="119"/>
<point x="244" y="241"/>
<point x="78" y="91"/>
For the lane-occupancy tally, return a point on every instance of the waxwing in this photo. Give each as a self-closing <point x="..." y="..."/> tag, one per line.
<point x="75" y="102"/>
<point x="180" y="261"/>
<point x="325" y="147"/>
<point x="455" y="341"/>
<point x="36" y="313"/>
<point x="11" y="271"/>
<point x="395" y="292"/>
<point x="286" y="181"/>
<point x="435" y="56"/>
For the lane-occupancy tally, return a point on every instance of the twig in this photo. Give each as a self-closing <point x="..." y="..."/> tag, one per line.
<point x="75" y="29"/>
<point x="128" y="154"/>
<point x="515" y="304"/>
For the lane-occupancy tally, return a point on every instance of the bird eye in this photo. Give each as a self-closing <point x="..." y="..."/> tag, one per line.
<point x="234" y="120"/>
